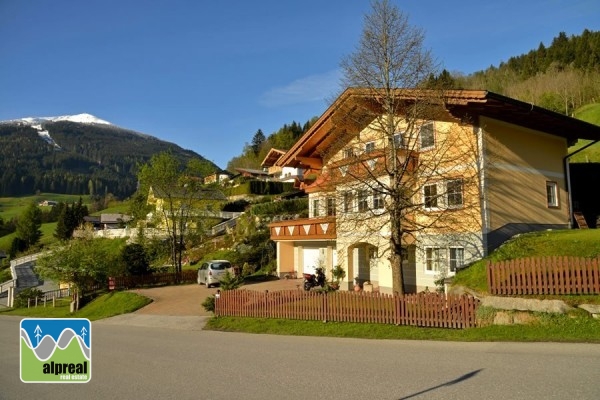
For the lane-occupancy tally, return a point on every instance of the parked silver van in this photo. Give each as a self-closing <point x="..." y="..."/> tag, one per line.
<point x="211" y="272"/>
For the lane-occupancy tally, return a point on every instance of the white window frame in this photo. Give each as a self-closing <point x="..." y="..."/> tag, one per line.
<point x="456" y="260"/>
<point x="315" y="207"/>
<point x="434" y="198"/>
<point x="433" y="259"/>
<point x="362" y="201"/>
<point x="377" y="199"/>
<point x="448" y="194"/>
<point x="348" y="197"/>
<point x="330" y="206"/>
<point x="441" y="199"/>
<point x="427" y="126"/>
<point x="552" y="194"/>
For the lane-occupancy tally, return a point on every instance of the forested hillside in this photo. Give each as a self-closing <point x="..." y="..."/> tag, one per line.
<point x="91" y="159"/>
<point x="561" y="77"/>
<point x="254" y="153"/>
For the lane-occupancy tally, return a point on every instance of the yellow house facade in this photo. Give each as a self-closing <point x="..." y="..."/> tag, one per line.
<point x="480" y="171"/>
<point x="171" y="207"/>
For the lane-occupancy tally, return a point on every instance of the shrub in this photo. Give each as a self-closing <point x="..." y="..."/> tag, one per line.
<point x="209" y="304"/>
<point x="29" y="293"/>
<point x="230" y="281"/>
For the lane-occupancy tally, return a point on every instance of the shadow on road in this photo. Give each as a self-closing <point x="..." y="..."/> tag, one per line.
<point x="450" y="383"/>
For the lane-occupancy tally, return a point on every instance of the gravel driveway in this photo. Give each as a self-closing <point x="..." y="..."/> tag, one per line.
<point x="180" y="307"/>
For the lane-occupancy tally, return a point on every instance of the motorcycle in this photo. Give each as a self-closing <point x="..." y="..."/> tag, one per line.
<point x="316" y="279"/>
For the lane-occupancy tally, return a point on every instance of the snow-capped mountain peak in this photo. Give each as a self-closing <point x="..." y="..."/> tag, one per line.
<point x="81" y="118"/>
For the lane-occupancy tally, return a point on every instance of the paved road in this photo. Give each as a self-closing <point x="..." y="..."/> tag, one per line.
<point x="177" y="362"/>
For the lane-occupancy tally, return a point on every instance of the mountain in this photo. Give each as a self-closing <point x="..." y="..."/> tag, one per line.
<point x="76" y="154"/>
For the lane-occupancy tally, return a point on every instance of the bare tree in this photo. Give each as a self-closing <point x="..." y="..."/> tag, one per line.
<point x="397" y="151"/>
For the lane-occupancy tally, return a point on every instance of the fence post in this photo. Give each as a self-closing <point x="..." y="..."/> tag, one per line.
<point x="325" y="314"/>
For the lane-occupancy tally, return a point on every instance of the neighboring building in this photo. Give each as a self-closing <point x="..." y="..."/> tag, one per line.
<point x="204" y="202"/>
<point x="218" y="177"/>
<point x="278" y="172"/>
<point x="253" y="173"/>
<point x="108" y="221"/>
<point x="48" y="203"/>
<point x="520" y="185"/>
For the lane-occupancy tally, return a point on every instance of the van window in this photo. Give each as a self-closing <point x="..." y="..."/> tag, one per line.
<point x="220" y="266"/>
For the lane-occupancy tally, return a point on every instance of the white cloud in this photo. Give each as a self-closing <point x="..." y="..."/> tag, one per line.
<point x="304" y="90"/>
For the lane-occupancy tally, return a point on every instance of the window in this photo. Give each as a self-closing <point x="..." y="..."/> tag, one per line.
<point x="457" y="258"/>
<point x="330" y="207"/>
<point x="315" y="207"/>
<point x="377" y="201"/>
<point x="430" y="196"/>
<point x="432" y="259"/>
<point x="552" y="194"/>
<point x="398" y="140"/>
<point x="349" y="152"/>
<point x="427" y="135"/>
<point x="369" y="147"/>
<point x="448" y="194"/>
<point x="348" y="202"/>
<point x="363" y="204"/>
<point x="454" y="193"/>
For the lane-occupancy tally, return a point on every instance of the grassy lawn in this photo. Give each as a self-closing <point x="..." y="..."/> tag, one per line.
<point x="14" y="206"/>
<point x="46" y="240"/>
<point x="575" y="242"/>
<point x="104" y="306"/>
<point x="549" y="328"/>
<point x="589" y="113"/>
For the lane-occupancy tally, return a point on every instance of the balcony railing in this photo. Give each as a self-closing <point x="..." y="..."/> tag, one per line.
<point x="304" y="229"/>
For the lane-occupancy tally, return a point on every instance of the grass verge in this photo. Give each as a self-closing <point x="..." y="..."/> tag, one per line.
<point x="104" y="306"/>
<point x="575" y="242"/>
<point x="548" y="328"/>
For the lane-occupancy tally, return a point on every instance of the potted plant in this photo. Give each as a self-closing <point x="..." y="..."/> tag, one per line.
<point x="338" y="273"/>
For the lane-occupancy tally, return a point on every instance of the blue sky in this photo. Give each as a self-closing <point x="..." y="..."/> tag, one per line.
<point x="207" y="75"/>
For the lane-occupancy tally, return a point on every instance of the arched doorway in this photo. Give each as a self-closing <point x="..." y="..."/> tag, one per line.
<point x="363" y="263"/>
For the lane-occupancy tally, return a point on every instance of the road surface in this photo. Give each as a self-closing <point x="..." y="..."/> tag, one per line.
<point x="172" y="358"/>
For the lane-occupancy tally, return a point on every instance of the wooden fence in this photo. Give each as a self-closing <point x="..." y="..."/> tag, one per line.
<point x="548" y="275"/>
<point x="423" y="309"/>
<point x="167" y="278"/>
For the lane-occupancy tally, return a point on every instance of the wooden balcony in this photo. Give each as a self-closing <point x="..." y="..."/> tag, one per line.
<point x="321" y="228"/>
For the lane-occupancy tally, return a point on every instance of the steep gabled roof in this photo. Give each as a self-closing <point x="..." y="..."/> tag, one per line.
<point x="253" y="172"/>
<point x="348" y="115"/>
<point x="272" y="156"/>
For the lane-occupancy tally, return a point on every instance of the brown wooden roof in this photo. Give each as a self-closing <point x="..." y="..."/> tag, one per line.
<point x="272" y="156"/>
<point x="347" y="115"/>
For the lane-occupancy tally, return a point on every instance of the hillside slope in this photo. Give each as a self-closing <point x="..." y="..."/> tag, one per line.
<point x="589" y="113"/>
<point x="76" y="158"/>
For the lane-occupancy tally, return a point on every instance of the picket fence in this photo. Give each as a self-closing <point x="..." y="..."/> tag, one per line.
<point x="544" y="275"/>
<point x="423" y="309"/>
